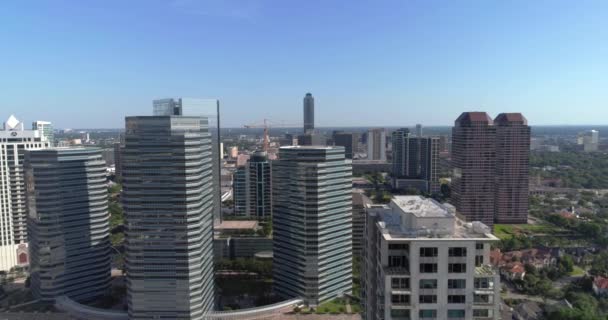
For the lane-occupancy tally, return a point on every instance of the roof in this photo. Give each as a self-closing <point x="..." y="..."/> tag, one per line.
<point x="600" y="282"/>
<point x="421" y="207"/>
<point x="360" y="199"/>
<point x="516" y="267"/>
<point x="237" y="224"/>
<point x="529" y="309"/>
<point x="510" y="118"/>
<point x="475" y="117"/>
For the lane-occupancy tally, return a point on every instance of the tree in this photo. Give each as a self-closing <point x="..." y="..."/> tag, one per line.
<point x="566" y="264"/>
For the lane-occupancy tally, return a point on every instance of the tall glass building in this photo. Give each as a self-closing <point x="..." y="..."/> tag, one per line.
<point x="209" y="109"/>
<point x="68" y="223"/>
<point x="312" y="220"/>
<point x="252" y="188"/>
<point x="168" y="200"/>
<point x="309" y="113"/>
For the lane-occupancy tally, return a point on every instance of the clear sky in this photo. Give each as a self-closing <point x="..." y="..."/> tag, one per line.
<point x="368" y="63"/>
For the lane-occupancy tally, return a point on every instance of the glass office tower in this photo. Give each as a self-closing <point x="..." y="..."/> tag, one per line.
<point x="168" y="200"/>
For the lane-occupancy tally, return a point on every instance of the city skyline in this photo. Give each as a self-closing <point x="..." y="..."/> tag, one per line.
<point x="438" y="59"/>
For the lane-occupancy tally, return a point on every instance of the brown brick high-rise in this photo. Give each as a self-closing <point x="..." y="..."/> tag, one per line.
<point x="473" y="163"/>
<point x="490" y="162"/>
<point x="512" y="168"/>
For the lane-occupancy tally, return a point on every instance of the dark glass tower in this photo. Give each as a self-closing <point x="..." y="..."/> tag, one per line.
<point x="252" y="189"/>
<point x="312" y="220"/>
<point x="415" y="161"/>
<point x="168" y="199"/>
<point x="309" y="113"/>
<point x="68" y="223"/>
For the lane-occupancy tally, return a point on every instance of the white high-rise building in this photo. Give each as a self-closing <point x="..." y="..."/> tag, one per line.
<point x="46" y="130"/>
<point x="421" y="262"/>
<point x="14" y="140"/>
<point x="591" y="141"/>
<point x="376" y="144"/>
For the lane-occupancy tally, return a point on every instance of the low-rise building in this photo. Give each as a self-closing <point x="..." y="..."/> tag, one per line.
<point x="600" y="286"/>
<point x="423" y="262"/>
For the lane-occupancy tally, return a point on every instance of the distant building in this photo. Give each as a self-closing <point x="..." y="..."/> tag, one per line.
<point x="376" y="144"/>
<point x="312" y="221"/>
<point x="419" y="130"/>
<point x="591" y="141"/>
<point x="287" y="140"/>
<point x="252" y="188"/>
<point x="360" y="201"/>
<point x="349" y="141"/>
<point x="370" y="167"/>
<point x="14" y="139"/>
<point x="312" y="139"/>
<point x="168" y="200"/>
<point x="118" y="150"/>
<point x="234" y="152"/>
<point x="422" y="262"/>
<point x="415" y="161"/>
<point x="512" y="168"/>
<point x="309" y="113"/>
<point x="600" y="286"/>
<point x="46" y="130"/>
<point x="68" y="224"/>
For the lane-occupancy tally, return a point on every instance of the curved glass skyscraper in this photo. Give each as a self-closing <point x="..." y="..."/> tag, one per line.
<point x="68" y="223"/>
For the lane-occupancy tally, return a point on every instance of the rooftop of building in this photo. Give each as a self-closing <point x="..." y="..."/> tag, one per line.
<point x="237" y="225"/>
<point x="416" y="217"/>
<point x="422" y="207"/>
<point x="511" y="118"/>
<point x="307" y="148"/>
<point x="468" y="118"/>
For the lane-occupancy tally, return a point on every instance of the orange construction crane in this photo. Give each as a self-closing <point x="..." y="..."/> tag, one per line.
<point x="266" y="126"/>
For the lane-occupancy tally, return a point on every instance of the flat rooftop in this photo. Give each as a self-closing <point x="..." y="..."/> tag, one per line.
<point x="422" y="207"/>
<point x="237" y="225"/>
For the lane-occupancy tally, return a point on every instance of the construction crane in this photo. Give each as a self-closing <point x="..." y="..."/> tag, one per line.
<point x="266" y="126"/>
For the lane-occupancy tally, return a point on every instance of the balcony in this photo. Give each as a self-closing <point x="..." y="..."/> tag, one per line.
<point x="485" y="270"/>
<point x="395" y="271"/>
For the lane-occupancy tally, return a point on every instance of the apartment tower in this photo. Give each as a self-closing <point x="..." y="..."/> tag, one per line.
<point x="376" y="144"/>
<point x="512" y="168"/>
<point x="14" y="140"/>
<point x="415" y="161"/>
<point x="473" y="164"/>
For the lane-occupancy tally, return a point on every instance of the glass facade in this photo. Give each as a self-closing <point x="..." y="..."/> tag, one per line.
<point x="68" y="223"/>
<point x="312" y="220"/>
<point x="168" y="200"/>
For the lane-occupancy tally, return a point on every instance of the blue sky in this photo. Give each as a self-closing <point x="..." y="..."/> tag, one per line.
<point x="368" y="63"/>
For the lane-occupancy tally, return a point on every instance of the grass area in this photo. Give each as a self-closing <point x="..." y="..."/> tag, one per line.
<point x="577" y="271"/>
<point x="333" y="306"/>
<point x="336" y="306"/>
<point x="505" y="231"/>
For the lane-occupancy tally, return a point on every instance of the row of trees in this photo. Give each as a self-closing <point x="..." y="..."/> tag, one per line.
<point x="261" y="267"/>
<point x="584" y="170"/>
